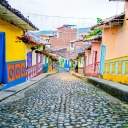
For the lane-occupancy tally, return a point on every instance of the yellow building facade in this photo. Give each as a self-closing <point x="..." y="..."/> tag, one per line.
<point x="14" y="65"/>
<point x="12" y="52"/>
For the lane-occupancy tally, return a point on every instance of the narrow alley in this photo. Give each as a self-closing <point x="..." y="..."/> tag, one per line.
<point x="62" y="101"/>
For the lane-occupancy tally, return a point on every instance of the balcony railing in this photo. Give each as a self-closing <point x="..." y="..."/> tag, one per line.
<point x="92" y="70"/>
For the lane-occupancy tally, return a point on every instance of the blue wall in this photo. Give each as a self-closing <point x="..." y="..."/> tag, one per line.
<point x="66" y="63"/>
<point x="15" y="73"/>
<point x="45" y="68"/>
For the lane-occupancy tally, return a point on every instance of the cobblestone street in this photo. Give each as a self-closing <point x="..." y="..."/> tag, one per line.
<point x="63" y="101"/>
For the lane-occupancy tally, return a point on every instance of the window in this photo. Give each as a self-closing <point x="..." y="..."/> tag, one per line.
<point x="72" y="44"/>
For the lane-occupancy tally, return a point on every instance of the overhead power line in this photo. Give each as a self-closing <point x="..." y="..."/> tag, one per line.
<point x="60" y="17"/>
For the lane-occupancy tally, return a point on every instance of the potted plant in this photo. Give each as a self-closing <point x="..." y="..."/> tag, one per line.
<point x="43" y="47"/>
<point x="33" y="48"/>
<point x="41" y="52"/>
<point x="77" y="57"/>
<point x="36" y="51"/>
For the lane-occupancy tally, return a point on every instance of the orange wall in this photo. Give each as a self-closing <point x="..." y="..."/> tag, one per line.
<point x="116" y="41"/>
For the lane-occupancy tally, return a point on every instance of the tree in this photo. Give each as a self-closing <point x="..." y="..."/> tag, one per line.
<point x="94" y="32"/>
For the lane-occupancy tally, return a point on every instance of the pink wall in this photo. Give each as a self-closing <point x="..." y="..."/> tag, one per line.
<point x="89" y="53"/>
<point x="96" y="47"/>
<point x="88" y="57"/>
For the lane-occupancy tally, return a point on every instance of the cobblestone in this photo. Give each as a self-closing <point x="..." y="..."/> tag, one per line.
<point x="62" y="101"/>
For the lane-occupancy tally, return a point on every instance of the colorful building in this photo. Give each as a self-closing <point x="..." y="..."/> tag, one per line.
<point x="92" y="56"/>
<point x="34" y="58"/>
<point x="12" y="53"/>
<point x="63" y="57"/>
<point x="114" y="53"/>
<point x="45" y="64"/>
<point x="49" y="60"/>
<point x="79" y="60"/>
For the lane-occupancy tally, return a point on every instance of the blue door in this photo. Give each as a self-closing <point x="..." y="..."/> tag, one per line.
<point x="2" y="56"/>
<point x="102" y="58"/>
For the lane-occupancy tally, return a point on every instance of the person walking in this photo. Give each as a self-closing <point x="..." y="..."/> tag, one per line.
<point x="76" y="68"/>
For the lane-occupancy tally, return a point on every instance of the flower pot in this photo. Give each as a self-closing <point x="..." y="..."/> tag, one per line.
<point x="33" y="48"/>
<point x="36" y="51"/>
<point x="43" y="47"/>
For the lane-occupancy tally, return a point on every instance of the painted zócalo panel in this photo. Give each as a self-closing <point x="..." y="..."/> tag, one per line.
<point x="116" y="70"/>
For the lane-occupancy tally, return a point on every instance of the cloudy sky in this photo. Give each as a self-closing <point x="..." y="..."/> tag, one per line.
<point x="50" y="14"/>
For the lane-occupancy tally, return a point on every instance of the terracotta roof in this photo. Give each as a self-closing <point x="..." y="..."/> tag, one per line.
<point x="76" y="40"/>
<point x="87" y="46"/>
<point x="66" y="53"/>
<point x="94" y="38"/>
<point x="110" y="20"/>
<point x="72" y="55"/>
<point x="15" y="17"/>
<point x="66" y="26"/>
<point x="79" y="50"/>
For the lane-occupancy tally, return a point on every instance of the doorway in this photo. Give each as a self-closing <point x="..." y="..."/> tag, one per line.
<point x="2" y="56"/>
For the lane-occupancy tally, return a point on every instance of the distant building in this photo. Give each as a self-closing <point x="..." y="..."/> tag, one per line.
<point x="81" y="32"/>
<point x="65" y="34"/>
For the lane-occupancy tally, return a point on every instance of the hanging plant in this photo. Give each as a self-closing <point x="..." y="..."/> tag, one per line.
<point x="43" y="47"/>
<point x="33" y="48"/>
<point x="46" y="52"/>
<point x="36" y="51"/>
<point x="77" y="57"/>
<point x="40" y="52"/>
<point x="24" y="38"/>
<point x="50" y="57"/>
<point x="38" y="46"/>
<point x="54" y="58"/>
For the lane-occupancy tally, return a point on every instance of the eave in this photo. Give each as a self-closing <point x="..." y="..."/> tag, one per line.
<point x="97" y="38"/>
<point x="110" y="22"/>
<point x="120" y="0"/>
<point x="14" y="17"/>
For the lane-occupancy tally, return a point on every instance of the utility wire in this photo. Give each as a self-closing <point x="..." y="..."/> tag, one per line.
<point x="60" y="16"/>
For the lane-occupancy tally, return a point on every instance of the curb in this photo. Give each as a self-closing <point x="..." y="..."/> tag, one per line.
<point x="32" y="83"/>
<point x="119" y="93"/>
